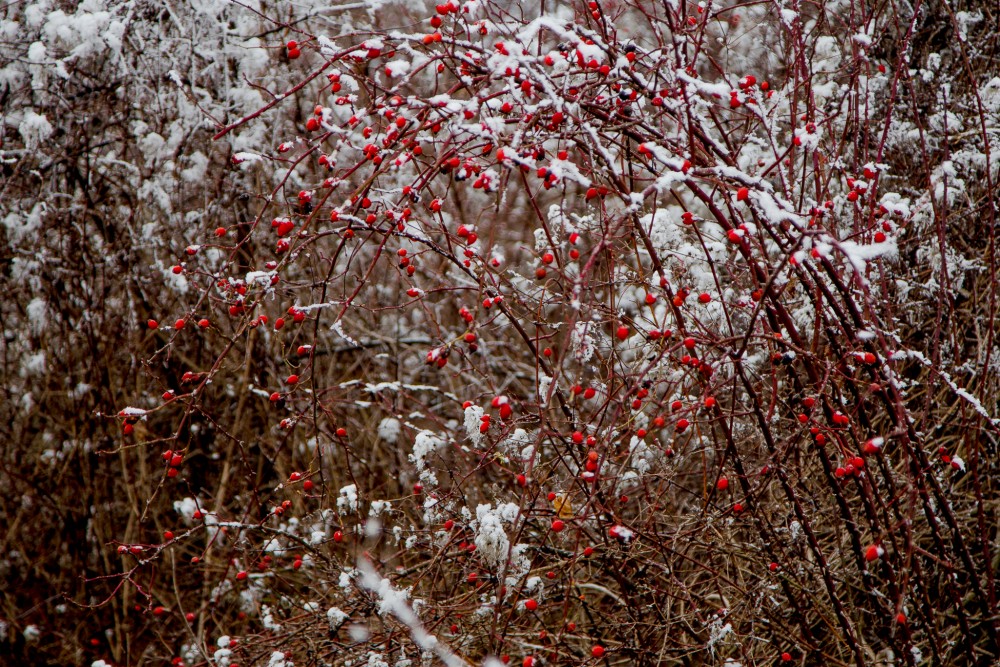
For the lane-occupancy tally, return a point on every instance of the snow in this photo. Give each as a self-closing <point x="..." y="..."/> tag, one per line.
<point x="944" y="375"/>
<point x="397" y="68"/>
<point x="582" y="343"/>
<point x="336" y="618"/>
<point x="348" y="500"/>
<point x="36" y="52"/>
<point x="472" y="422"/>
<point x="424" y="445"/>
<point x="859" y="254"/>
<point x="621" y="532"/>
<point x="544" y="388"/>
<point x="34" y="129"/>
<point x="378" y="507"/>
<point x="267" y="619"/>
<point x="794" y="530"/>
<point x="338" y="328"/>
<point x="394" y="601"/>
<point x="966" y="20"/>
<point x="492" y="543"/>
<point x="246" y="157"/>
<point x="195" y="173"/>
<point x="277" y="659"/>
<point x="186" y="508"/>
<point x="718" y="633"/>
<point x="389" y="430"/>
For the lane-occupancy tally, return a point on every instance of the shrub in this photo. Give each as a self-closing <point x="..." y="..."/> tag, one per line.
<point x="613" y="331"/>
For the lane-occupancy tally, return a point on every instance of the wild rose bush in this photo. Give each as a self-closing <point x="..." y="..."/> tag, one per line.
<point x="609" y="332"/>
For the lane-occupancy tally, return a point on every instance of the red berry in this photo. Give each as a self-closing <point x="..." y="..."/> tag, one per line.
<point x="722" y="484"/>
<point x="622" y="332"/>
<point x="558" y="526"/>
<point x="531" y="604"/>
<point x="597" y="651"/>
<point x="872" y="446"/>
